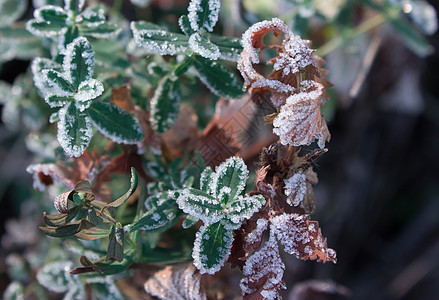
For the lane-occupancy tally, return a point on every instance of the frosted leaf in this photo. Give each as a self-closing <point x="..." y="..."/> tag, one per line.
<point x="301" y="237"/>
<point x="88" y="90"/>
<point x="295" y="188"/>
<point x="57" y="84"/>
<point x="55" y="276"/>
<point x="423" y="15"/>
<point x="176" y="282"/>
<point x="205" y="178"/>
<point x="297" y="55"/>
<point x="78" y="61"/>
<point x="256" y="235"/>
<point x="43" y="29"/>
<point x="300" y="122"/>
<point x="93" y="17"/>
<point x="157" y="40"/>
<point x="104" y="288"/>
<point x="242" y="208"/>
<point x="232" y="173"/>
<point x="74" y="5"/>
<point x="200" y="205"/>
<point x="203" y="14"/>
<point x="204" y="47"/>
<point x="211" y="248"/>
<point x="37" y="65"/>
<point x="264" y="272"/>
<point x="74" y="130"/>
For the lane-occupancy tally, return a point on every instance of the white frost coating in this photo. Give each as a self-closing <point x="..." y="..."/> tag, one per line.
<point x="300" y="122"/>
<point x="273" y="84"/>
<point x="188" y="202"/>
<point x="89" y="14"/>
<point x="55" y="276"/>
<point x="247" y="43"/>
<point x="239" y="167"/>
<point x="297" y="55"/>
<point x="70" y="54"/>
<point x="264" y="262"/>
<point x="43" y="33"/>
<point x="295" y="188"/>
<point x="105" y="35"/>
<point x="65" y="140"/>
<point x="50" y="170"/>
<point x="195" y="10"/>
<point x="205" y="178"/>
<point x="114" y="136"/>
<point x="211" y="53"/>
<point x="200" y="259"/>
<point x="37" y="65"/>
<point x="89" y="90"/>
<point x="256" y="234"/>
<point x="242" y="208"/>
<point x="151" y="46"/>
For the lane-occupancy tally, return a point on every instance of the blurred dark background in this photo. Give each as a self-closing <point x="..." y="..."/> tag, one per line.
<point x="378" y="191"/>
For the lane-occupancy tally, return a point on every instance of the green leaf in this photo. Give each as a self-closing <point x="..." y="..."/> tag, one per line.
<point x="59" y="85"/>
<point x="157" y="40"/>
<point x="93" y="16"/>
<point x="104" y="30"/>
<point x="241" y="209"/>
<point x="74" y="5"/>
<point x="51" y="14"/>
<point x="87" y="91"/>
<point x="212" y="247"/>
<point x="203" y="14"/>
<point x="45" y="29"/>
<point x="67" y="230"/>
<point x="78" y="61"/>
<point x="189" y="222"/>
<point x="219" y="79"/>
<point x="165" y="105"/>
<point x="74" y="130"/>
<point x="115" y="245"/>
<point x="164" y="213"/>
<point x="121" y="200"/>
<point x="229" y="47"/>
<point x="11" y="11"/>
<point x="200" y="205"/>
<point x="185" y="25"/>
<point x="205" y="179"/>
<point x="14" y="291"/>
<point x="114" y="267"/>
<point x="204" y="47"/>
<point x="67" y="37"/>
<point x="413" y="39"/>
<point x="231" y="177"/>
<point x="57" y="101"/>
<point x="115" y="123"/>
<point x="37" y="66"/>
<point x="93" y="234"/>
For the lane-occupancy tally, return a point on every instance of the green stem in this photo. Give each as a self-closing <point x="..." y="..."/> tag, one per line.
<point x="117" y="7"/>
<point x="359" y="30"/>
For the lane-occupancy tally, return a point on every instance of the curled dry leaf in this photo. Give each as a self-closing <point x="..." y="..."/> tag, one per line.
<point x="62" y="202"/>
<point x="176" y="282"/>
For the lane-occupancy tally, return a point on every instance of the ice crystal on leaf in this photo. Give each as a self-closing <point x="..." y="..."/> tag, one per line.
<point x="222" y="208"/>
<point x="296" y="85"/>
<point x="203" y="14"/>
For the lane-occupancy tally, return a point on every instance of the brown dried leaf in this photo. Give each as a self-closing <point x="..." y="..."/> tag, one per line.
<point x="176" y="282"/>
<point x="301" y="237"/>
<point x="122" y="98"/>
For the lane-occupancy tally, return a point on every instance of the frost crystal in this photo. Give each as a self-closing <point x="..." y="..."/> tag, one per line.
<point x="197" y="44"/>
<point x="297" y="55"/>
<point x="295" y="188"/>
<point x="195" y="8"/>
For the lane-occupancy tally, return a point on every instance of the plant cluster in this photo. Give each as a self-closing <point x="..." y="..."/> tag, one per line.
<point x="105" y="99"/>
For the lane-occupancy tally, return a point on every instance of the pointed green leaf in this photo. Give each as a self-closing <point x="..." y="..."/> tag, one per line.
<point x="200" y="205"/>
<point x="74" y="130"/>
<point x="242" y="209"/>
<point x="165" y="105"/>
<point x="164" y="213"/>
<point x="87" y="91"/>
<point x="202" y="46"/>
<point x="185" y="25"/>
<point x="51" y="14"/>
<point x="131" y="190"/>
<point x="157" y="40"/>
<point x="212" y="247"/>
<point x="229" y="47"/>
<point x="45" y="29"/>
<point x="93" y="234"/>
<point x="203" y="14"/>
<point x="104" y="30"/>
<point x="232" y="176"/>
<point x="11" y="11"/>
<point x="115" y="123"/>
<point x="115" y="245"/>
<point x="219" y="79"/>
<point x="78" y="61"/>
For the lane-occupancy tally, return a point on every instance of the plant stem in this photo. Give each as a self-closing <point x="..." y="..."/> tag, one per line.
<point x="117" y="6"/>
<point x="364" y="27"/>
